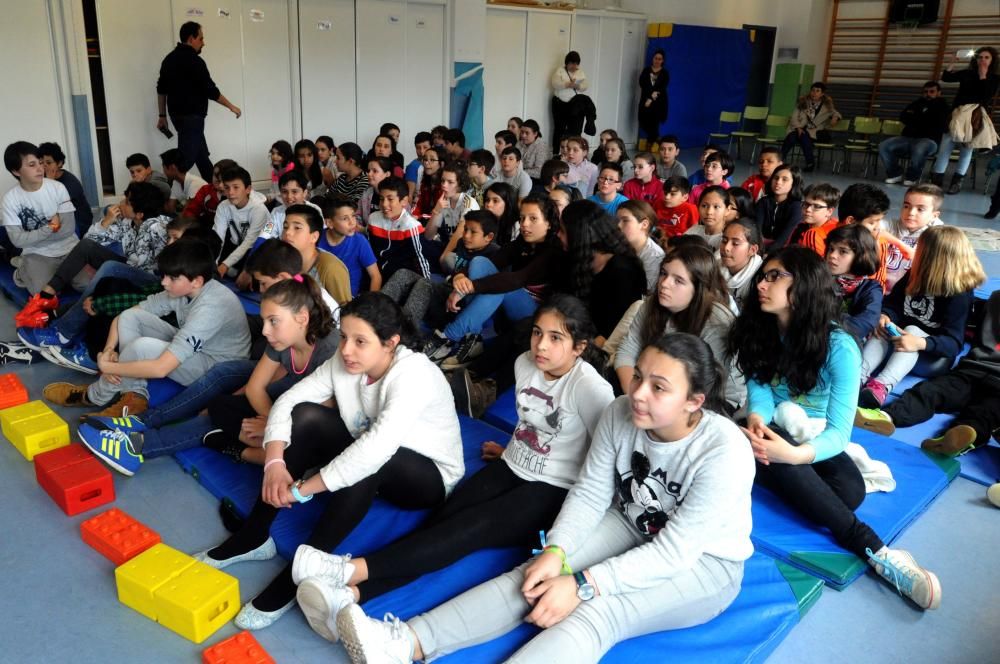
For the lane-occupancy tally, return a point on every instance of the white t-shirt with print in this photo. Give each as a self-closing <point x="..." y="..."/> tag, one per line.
<point x="32" y="210"/>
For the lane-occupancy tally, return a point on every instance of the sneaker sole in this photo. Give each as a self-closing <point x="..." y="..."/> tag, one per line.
<point x="347" y="625"/>
<point x="111" y="462"/>
<point x="878" y="426"/>
<point x="316" y="607"/>
<point x="867" y="399"/>
<point x="955" y="440"/>
<point x="29" y="344"/>
<point x="51" y="354"/>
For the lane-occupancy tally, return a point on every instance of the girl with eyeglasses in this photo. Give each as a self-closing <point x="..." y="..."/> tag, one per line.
<point x="795" y="356"/>
<point x="429" y="187"/>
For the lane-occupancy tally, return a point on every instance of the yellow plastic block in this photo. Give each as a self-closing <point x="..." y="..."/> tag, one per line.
<point x="198" y="602"/>
<point x="33" y="428"/>
<point x="140" y="578"/>
<point x="182" y="594"/>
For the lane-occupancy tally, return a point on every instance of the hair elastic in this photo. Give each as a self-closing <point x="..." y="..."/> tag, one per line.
<point x="298" y="278"/>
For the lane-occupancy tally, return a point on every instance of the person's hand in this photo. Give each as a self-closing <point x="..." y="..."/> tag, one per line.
<point x="236" y="110"/>
<point x="656" y="94"/>
<point x="161" y="123"/>
<point x="880" y="330"/>
<point x="443" y="202"/>
<point x="452" y="304"/>
<point x="492" y="451"/>
<point x="548" y="565"/>
<point x="553" y="599"/>
<point x="88" y="305"/>
<point x="55" y="224"/>
<point x="649" y="102"/>
<point x="222" y="269"/>
<point x="277" y="481"/>
<point x="908" y="343"/>
<point x="113" y="214"/>
<point x="769" y="447"/>
<point x="799" y="131"/>
<point x="244" y="280"/>
<point x="252" y="429"/>
<point x="463" y="285"/>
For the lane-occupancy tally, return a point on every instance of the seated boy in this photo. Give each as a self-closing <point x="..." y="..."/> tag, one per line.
<point x="503" y="139"/>
<point x="184" y="185"/>
<point x="716" y="168"/>
<point x="670" y="164"/>
<point x="818" y="205"/>
<point x="205" y="202"/>
<point x="511" y="172"/>
<point x="343" y="241"/>
<point x="554" y="173"/>
<point x="609" y="181"/>
<point x="454" y="145"/>
<point x="674" y="214"/>
<point x="770" y="159"/>
<point x="294" y="189"/>
<point x="54" y="159"/>
<point x="644" y="186"/>
<point x="415" y="169"/>
<point x="698" y="176"/>
<point x="39" y="218"/>
<point x="921" y="210"/>
<point x="238" y="220"/>
<point x="480" y="164"/>
<point x="137" y="224"/>
<point x="394" y="234"/>
<point x="866" y="204"/>
<point x="212" y="328"/>
<point x="139" y="170"/>
<point x="303" y="227"/>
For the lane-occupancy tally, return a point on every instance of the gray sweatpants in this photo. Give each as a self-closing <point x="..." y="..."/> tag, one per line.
<point x="496" y="607"/>
<point x="898" y="364"/>
<point x="36" y="271"/>
<point x="143" y="336"/>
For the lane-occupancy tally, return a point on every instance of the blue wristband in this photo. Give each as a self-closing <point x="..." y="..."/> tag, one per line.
<point x="298" y="496"/>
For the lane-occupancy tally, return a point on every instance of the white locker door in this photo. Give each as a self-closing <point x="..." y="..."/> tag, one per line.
<point x="381" y="38"/>
<point x="326" y="61"/>
<point x="548" y="44"/>
<point x="426" y="85"/>
<point x="267" y="85"/>
<point x="504" y="67"/>
<point x="586" y="40"/>
<point x="633" y="48"/>
<point x="607" y="72"/>
<point x="133" y="44"/>
<point x="223" y="53"/>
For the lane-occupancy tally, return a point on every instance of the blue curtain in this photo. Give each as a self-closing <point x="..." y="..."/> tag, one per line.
<point x="467" y="105"/>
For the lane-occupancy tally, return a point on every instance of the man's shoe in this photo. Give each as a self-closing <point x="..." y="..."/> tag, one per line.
<point x="899" y="568"/>
<point x="875" y="420"/>
<point x="113" y="447"/>
<point x="320" y="603"/>
<point x="956" y="440"/>
<point x="129" y="403"/>
<point x="468" y="349"/>
<point x="67" y="394"/>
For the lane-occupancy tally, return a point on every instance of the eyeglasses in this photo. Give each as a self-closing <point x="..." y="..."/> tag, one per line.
<point x="429" y="159"/>
<point x="608" y="180"/>
<point x="814" y="206"/>
<point x="773" y="275"/>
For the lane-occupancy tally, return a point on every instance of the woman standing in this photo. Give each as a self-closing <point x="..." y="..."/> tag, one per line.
<point x="653" y="103"/>
<point x="970" y="124"/>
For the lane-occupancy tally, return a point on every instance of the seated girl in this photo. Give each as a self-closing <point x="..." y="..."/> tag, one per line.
<point x="636" y="219"/>
<point x="379" y="168"/>
<point x="385" y="146"/>
<point x="740" y="258"/>
<point x="923" y="317"/>
<point x="300" y="336"/>
<point x="429" y="187"/>
<point x="308" y="163"/>
<point x="691" y="297"/>
<point x="713" y="206"/>
<point x="515" y="280"/>
<point x="741" y="205"/>
<point x="391" y="431"/>
<point x="561" y="397"/>
<point x="282" y="161"/>
<point x="582" y="172"/>
<point x="352" y="181"/>
<point x="779" y="211"/>
<point x="852" y="257"/>
<point x="449" y="209"/>
<point x="501" y="199"/>
<point x="327" y="158"/>
<point x="791" y="349"/>
<point x="615" y="153"/>
<point x="626" y="556"/>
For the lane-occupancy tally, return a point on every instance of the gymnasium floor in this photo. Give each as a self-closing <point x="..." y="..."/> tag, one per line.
<point x="60" y="603"/>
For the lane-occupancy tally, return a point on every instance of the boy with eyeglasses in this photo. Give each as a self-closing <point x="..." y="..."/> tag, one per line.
<point x="818" y="207"/>
<point x="609" y="181"/>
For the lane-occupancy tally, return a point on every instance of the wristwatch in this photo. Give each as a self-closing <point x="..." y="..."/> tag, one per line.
<point x="584" y="590"/>
<point x="299" y="497"/>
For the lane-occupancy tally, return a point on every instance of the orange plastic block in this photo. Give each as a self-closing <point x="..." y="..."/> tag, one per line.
<point x="117" y="536"/>
<point x="239" y="649"/>
<point x="12" y="391"/>
<point x="74" y="479"/>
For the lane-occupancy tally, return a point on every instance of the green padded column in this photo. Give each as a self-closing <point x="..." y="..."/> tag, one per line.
<point x="786" y="88"/>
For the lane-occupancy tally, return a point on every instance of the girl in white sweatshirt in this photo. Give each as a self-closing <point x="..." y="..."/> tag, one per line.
<point x="652" y="536"/>
<point x="391" y="430"/>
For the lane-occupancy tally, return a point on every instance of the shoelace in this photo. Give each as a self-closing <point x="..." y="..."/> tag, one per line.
<point x="468" y="343"/>
<point x="395" y="626"/>
<point x="121" y="437"/>
<point x="902" y="579"/>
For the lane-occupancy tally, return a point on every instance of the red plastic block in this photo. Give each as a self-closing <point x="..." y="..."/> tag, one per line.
<point x="74" y="479"/>
<point x="117" y="536"/>
<point x="239" y="649"/>
<point x="12" y="391"/>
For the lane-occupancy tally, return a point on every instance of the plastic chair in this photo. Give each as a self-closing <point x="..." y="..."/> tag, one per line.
<point x="838" y="131"/>
<point x="775" y="128"/>
<point x="890" y="129"/>
<point x="865" y="129"/>
<point x="754" y="114"/>
<point x="726" y="117"/>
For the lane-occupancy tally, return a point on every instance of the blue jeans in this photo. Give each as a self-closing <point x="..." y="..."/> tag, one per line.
<point x="805" y="140"/>
<point x="75" y="319"/>
<point x="917" y="149"/>
<point x="182" y="436"/>
<point x="222" y="378"/>
<point x="192" y="144"/>
<point x="944" y="155"/>
<point x="477" y="308"/>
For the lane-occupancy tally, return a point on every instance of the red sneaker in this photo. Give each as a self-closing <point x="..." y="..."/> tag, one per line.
<point x="873" y="394"/>
<point x="39" y="303"/>
<point x="31" y="319"/>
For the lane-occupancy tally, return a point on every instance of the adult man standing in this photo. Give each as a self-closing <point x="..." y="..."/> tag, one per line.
<point x="924" y="120"/>
<point x="184" y="87"/>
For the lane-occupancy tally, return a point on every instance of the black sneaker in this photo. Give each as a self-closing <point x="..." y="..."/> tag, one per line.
<point x="468" y="349"/>
<point x="461" y="388"/>
<point x="438" y="347"/>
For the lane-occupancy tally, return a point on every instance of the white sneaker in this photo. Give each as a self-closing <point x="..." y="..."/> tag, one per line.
<point x="895" y="180"/>
<point x="909" y="183"/>
<point x="320" y="602"/>
<point x="899" y="568"/>
<point x="993" y="494"/>
<point x="311" y="562"/>
<point x="370" y="641"/>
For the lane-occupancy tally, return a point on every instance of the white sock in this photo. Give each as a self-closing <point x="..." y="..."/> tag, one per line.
<point x="348" y="572"/>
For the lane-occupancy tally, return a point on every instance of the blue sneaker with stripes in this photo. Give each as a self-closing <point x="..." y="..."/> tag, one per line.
<point x="113" y="447"/>
<point x="130" y="424"/>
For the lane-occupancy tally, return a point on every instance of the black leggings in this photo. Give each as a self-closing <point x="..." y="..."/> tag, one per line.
<point x="409" y="480"/>
<point x="826" y="493"/>
<point x="86" y="252"/>
<point x="973" y="395"/>
<point x="493" y="508"/>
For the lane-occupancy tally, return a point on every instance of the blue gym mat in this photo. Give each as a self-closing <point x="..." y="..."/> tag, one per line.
<point x="239" y="484"/>
<point x="502" y="413"/>
<point x="783" y="533"/>
<point x="984" y="291"/>
<point x="773" y="598"/>
<point x="19" y="296"/>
